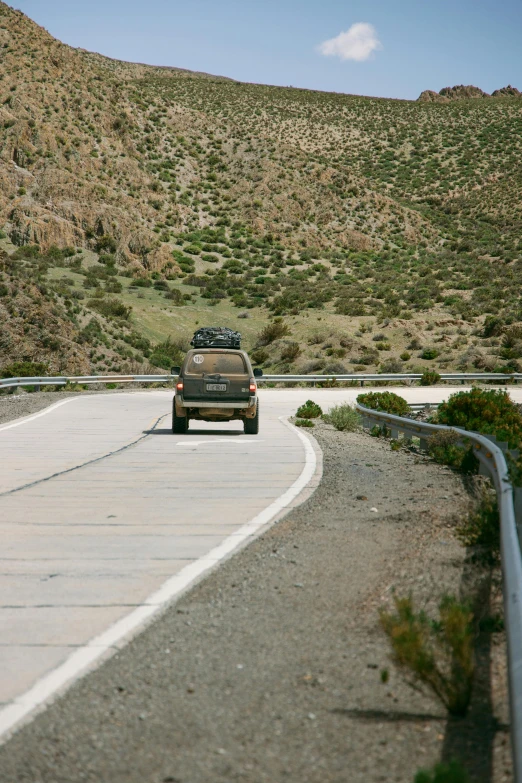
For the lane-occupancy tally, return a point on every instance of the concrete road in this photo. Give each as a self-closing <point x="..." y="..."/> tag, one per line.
<point x="105" y="516"/>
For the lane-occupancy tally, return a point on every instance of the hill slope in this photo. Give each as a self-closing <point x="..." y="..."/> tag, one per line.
<point x="154" y="194"/>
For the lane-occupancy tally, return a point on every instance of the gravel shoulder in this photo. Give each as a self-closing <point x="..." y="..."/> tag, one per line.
<point x="269" y="669"/>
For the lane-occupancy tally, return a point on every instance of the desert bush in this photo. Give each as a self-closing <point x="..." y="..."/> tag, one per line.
<point x="493" y="326"/>
<point x="429" y="353"/>
<point x="168" y="353"/>
<point x="343" y="417"/>
<point x="24" y="370"/>
<point x="488" y="411"/>
<point x="429" y="378"/>
<point x="175" y="296"/>
<point x="105" y="244"/>
<point x="290" y="352"/>
<point x="309" y="410"/>
<point x="481" y="527"/>
<point x="444" y="448"/>
<point x="436" y="654"/>
<point x="453" y="772"/>
<point x="110" y="308"/>
<point x="387" y="401"/>
<point x="405" y="356"/>
<point x="311" y="367"/>
<point x="304" y="423"/>
<point x="391" y="366"/>
<point x="273" y="331"/>
<point x="259" y="356"/>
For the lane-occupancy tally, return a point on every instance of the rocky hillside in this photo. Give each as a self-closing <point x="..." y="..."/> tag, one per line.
<point x="137" y="202"/>
<point x="461" y="91"/>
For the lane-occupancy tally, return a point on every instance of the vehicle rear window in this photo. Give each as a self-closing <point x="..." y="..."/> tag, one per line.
<point x="200" y="363"/>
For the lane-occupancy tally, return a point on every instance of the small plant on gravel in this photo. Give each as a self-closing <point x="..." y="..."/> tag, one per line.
<point x="444" y="448"/>
<point x="310" y="410"/>
<point x="437" y="654"/>
<point x="388" y="402"/>
<point x="304" y="423"/>
<point x="429" y="378"/>
<point x="481" y="528"/>
<point x="343" y="417"/>
<point x="429" y="353"/>
<point x="453" y="772"/>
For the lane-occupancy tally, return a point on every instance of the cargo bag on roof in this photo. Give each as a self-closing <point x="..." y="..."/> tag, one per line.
<point x="216" y="337"/>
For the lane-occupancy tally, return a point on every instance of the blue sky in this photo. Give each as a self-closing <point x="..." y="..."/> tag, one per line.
<point x="401" y="46"/>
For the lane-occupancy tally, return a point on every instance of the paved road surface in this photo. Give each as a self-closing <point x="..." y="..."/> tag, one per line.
<point x="100" y="505"/>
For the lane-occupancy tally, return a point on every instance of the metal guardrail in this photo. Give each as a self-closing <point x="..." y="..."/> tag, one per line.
<point x="490" y="454"/>
<point x="6" y="383"/>
<point x="361" y="378"/>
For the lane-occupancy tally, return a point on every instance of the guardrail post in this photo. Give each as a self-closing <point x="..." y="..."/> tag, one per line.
<point x="362" y="383"/>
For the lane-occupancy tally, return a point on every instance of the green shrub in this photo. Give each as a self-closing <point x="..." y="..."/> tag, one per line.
<point x="429" y="353"/>
<point x="453" y="772"/>
<point x="310" y="410"/>
<point x="488" y="411"/>
<point x="174" y="295"/>
<point x="482" y="525"/>
<point x="110" y="308"/>
<point x="167" y="354"/>
<point x="492" y="326"/>
<point x="387" y="401"/>
<point x="24" y="370"/>
<point x="343" y="417"/>
<point x="106" y="243"/>
<point x="437" y="654"/>
<point x="194" y="250"/>
<point x="405" y="356"/>
<point x="444" y="448"/>
<point x="429" y="377"/>
<point x="273" y="331"/>
<point x="304" y="423"/>
<point x="259" y="356"/>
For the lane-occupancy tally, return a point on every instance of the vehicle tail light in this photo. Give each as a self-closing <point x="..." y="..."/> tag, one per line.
<point x="179" y="386"/>
<point x="253" y="386"/>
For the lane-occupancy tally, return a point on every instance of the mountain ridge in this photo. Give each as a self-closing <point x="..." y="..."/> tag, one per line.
<point x="134" y="198"/>
<point x="463" y="92"/>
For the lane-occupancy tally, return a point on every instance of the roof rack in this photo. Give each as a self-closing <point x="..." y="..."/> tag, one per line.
<point x="216" y="337"/>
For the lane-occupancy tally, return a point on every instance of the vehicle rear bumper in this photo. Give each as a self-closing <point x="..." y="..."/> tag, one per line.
<point x="237" y="405"/>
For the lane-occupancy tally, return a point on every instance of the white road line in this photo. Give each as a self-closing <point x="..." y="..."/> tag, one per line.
<point x="27" y="419"/>
<point x="25" y="707"/>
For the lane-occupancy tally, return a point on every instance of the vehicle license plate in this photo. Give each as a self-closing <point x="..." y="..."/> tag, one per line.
<point x="216" y="387"/>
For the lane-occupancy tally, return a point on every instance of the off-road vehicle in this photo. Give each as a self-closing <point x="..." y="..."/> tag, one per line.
<point x="216" y="384"/>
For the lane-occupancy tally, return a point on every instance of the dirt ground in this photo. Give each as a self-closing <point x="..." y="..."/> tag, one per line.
<point x="270" y="669"/>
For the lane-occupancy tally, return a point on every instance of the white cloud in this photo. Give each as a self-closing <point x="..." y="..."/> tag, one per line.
<point x="357" y="43"/>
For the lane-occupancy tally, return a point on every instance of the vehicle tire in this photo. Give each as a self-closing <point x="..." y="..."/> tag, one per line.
<point x="179" y="423"/>
<point x="252" y="425"/>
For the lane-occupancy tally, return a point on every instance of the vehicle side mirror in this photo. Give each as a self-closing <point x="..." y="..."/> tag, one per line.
<point x="258" y="372"/>
<point x="175" y="370"/>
